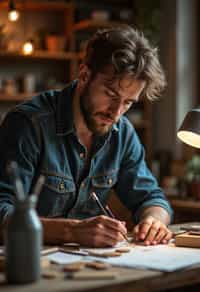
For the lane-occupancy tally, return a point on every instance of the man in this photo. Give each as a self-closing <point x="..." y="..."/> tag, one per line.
<point x="79" y="139"/>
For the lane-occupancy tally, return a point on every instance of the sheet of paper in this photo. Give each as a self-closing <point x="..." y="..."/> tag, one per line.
<point x="160" y="257"/>
<point x="106" y="249"/>
<point x="62" y="258"/>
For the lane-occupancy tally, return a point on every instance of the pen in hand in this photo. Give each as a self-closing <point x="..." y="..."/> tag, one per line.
<point x="106" y="211"/>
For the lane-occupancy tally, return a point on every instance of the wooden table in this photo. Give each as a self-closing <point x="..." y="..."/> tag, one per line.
<point x="129" y="280"/>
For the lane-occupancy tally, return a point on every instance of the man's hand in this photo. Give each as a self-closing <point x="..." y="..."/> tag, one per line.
<point x="99" y="231"/>
<point x="152" y="231"/>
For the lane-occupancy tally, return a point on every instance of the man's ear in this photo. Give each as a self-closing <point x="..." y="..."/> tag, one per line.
<point x="84" y="74"/>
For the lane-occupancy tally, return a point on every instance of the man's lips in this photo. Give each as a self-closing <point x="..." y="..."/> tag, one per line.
<point x="106" y="119"/>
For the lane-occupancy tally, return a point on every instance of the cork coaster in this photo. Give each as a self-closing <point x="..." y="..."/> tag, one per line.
<point x="98" y="265"/>
<point x="74" y="267"/>
<point x="123" y="249"/>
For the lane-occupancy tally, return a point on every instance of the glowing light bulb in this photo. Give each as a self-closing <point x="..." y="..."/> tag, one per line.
<point x="13" y="15"/>
<point x="28" y="48"/>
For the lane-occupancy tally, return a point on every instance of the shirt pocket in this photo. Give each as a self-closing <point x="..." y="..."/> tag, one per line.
<point x="105" y="181"/>
<point x="57" y="196"/>
<point x="101" y="185"/>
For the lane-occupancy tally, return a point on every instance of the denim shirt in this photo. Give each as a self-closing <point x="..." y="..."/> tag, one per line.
<point x="40" y="136"/>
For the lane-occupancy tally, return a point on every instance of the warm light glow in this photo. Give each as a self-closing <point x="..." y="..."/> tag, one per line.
<point x="28" y="48"/>
<point x="189" y="138"/>
<point x="13" y="15"/>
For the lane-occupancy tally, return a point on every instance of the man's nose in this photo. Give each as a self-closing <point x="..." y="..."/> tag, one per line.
<point x="116" y="109"/>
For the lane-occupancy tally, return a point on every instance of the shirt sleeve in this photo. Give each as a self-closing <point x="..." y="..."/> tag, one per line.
<point x="137" y="188"/>
<point x="18" y="142"/>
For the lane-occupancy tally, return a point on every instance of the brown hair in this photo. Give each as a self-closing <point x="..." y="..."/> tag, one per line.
<point x="129" y="52"/>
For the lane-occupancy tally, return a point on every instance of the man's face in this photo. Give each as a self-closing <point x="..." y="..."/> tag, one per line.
<point x="102" y="102"/>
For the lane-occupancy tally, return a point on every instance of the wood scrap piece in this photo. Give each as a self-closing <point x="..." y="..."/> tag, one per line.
<point x="73" y="267"/>
<point x="98" y="265"/>
<point x="51" y="274"/>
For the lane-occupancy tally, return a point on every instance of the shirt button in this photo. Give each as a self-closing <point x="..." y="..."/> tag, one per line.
<point x="110" y="181"/>
<point x="61" y="186"/>
<point x="81" y="155"/>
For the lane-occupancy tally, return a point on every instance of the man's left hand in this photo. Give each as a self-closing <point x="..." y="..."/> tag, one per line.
<point x="152" y="231"/>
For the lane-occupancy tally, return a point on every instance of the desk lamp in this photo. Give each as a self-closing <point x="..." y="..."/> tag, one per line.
<point x="189" y="132"/>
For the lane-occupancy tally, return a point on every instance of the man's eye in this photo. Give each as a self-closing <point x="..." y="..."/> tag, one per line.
<point x="110" y="93"/>
<point x="129" y="102"/>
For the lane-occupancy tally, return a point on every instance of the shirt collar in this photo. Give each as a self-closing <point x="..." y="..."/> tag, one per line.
<point x="64" y="111"/>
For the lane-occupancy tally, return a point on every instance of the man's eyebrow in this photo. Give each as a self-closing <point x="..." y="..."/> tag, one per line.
<point x="117" y="93"/>
<point x="112" y="89"/>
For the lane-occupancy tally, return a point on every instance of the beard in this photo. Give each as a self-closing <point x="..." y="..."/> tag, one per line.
<point x="90" y="115"/>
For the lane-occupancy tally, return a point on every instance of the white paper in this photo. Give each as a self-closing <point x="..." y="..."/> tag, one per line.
<point x="63" y="258"/>
<point x="106" y="249"/>
<point x="160" y="257"/>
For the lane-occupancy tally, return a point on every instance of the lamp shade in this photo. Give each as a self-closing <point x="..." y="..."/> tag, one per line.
<point x="189" y="132"/>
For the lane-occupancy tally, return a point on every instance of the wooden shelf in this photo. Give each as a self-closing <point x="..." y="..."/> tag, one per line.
<point x="93" y="24"/>
<point x="39" y="54"/>
<point x="38" y="6"/>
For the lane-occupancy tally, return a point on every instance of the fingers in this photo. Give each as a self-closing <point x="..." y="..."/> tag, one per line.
<point x="167" y="237"/>
<point x="111" y="223"/>
<point x="142" y="229"/>
<point x="100" y="231"/>
<point x="104" y="237"/>
<point x="152" y="231"/>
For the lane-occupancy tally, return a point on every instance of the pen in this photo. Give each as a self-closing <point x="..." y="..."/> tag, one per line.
<point x="106" y="211"/>
<point x="110" y="212"/>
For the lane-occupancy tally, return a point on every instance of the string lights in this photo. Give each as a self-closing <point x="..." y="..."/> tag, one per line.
<point x="13" y="13"/>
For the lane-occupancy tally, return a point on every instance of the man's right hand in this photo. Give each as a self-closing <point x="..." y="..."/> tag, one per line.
<point x="99" y="231"/>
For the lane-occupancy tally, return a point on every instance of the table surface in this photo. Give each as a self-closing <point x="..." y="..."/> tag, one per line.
<point x="128" y="280"/>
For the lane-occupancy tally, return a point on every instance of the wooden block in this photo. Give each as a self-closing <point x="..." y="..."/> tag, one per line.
<point x="98" y="265"/>
<point x="187" y="240"/>
<point x="73" y="267"/>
